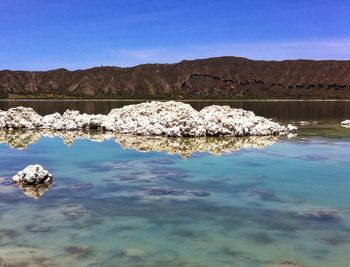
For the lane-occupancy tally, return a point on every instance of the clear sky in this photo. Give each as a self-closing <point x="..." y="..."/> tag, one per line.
<point x="49" y="34"/>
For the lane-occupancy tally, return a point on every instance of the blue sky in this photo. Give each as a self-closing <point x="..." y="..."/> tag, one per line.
<point x="45" y="34"/>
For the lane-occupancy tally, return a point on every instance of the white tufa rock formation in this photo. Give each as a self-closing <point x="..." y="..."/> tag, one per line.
<point x="33" y="175"/>
<point x="345" y="123"/>
<point x="170" y="118"/>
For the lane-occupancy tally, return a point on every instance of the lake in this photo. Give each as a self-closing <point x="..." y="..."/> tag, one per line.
<point x="121" y="200"/>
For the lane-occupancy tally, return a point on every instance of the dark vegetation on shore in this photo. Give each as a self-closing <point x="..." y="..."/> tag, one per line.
<point x="214" y="78"/>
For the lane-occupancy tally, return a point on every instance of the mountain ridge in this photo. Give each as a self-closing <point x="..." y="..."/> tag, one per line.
<point x="212" y="78"/>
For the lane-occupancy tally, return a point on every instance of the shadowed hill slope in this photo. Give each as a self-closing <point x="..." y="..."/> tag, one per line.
<point x="216" y="78"/>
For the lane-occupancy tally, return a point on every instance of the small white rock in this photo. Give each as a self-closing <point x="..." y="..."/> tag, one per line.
<point x="346" y="123"/>
<point x="291" y="128"/>
<point x="33" y="174"/>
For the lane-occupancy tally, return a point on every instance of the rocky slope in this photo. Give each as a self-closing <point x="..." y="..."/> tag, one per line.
<point x="224" y="78"/>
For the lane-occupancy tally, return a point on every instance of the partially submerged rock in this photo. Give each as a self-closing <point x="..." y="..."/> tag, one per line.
<point x="346" y="123"/>
<point x="169" y="118"/>
<point x="168" y="191"/>
<point x="321" y="215"/>
<point x="32" y="175"/>
<point x="134" y="252"/>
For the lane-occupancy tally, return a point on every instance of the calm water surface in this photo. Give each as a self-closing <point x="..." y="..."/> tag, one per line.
<point x="282" y="110"/>
<point x="260" y="202"/>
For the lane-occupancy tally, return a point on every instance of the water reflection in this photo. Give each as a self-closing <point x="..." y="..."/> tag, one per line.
<point x="117" y="207"/>
<point x="181" y="146"/>
<point x="34" y="191"/>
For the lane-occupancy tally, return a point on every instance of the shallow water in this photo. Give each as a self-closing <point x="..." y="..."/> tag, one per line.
<point x="133" y="201"/>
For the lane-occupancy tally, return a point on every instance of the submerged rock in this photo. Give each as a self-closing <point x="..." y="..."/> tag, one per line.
<point x="74" y="211"/>
<point x="169" y="118"/>
<point x="286" y="264"/>
<point x="321" y="215"/>
<point x="134" y="252"/>
<point x="32" y="175"/>
<point x="167" y="191"/>
<point x="79" y="251"/>
<point x="346" y="123"/>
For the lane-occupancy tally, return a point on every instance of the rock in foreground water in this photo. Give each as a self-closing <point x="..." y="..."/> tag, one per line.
<point x="32" y="175"/>
<point x="173" y="119"/>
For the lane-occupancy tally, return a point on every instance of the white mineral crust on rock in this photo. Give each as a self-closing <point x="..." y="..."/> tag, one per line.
<point x="173" y="119"/>
<point x="156" y="118"/>
<point x="224" y="120"/>
<point x="345" y="123"/>
<point x="20" y="117"/>
<point x="32" y="175"/>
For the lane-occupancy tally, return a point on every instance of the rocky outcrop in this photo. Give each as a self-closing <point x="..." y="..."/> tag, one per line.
<point x="224" y="120"/>
<point x="32" y="175"/>
<point x="20" y="118"/>
<point x="346" y="123"/>
<point x="223" y="77"/>
<point x="173" y="119"/>
<point x="156" y="118"/>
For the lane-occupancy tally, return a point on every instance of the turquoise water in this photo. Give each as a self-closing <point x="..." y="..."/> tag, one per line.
<point x="278" y="203"/>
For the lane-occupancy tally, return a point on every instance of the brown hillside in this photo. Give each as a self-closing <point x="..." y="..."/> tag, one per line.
<point x="224" y="77"/>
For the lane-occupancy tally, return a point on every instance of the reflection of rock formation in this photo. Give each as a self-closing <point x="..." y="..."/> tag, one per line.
<point x="181" y="146"/>
<point x="34" y="191"/>
<point x="187" y="146"/>
<point x="21" y="139"/>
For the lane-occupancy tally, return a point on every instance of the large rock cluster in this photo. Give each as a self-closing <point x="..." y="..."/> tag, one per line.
<point x="170" y="118"/>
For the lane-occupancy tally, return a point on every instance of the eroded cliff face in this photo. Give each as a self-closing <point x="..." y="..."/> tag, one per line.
<point x="225" y="77"/>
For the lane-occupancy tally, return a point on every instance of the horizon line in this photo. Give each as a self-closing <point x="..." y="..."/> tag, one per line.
<point x="177" y="62"/>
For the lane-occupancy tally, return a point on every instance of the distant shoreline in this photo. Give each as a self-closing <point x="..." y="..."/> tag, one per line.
<point x="177" y="100"/>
